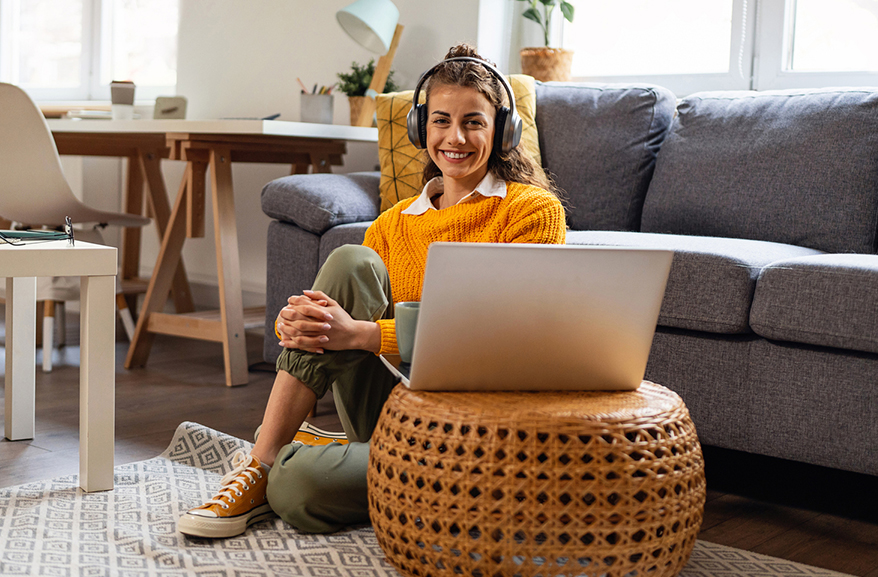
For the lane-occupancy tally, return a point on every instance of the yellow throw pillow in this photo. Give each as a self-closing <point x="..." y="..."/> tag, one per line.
<point x="401" y="163"/>
<point x="524" y="88"/>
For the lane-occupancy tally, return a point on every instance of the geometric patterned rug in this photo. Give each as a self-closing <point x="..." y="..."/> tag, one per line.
<point x="53" y="528"/>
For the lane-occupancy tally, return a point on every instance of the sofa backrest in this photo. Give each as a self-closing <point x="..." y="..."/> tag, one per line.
<point x="795" y="166"/>
<point x="599" y="142"/>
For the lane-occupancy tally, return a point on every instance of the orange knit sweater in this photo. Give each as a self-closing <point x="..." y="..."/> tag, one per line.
<point x="527" y="214"/>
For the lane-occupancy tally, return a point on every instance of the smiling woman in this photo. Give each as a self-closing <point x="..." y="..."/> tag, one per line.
<point x="485" y="190"/>
<point x="467" y="85"/>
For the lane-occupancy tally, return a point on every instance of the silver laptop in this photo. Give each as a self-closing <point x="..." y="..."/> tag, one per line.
<point x="535" y="317"/>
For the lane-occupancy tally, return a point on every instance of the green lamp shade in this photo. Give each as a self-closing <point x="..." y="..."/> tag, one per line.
<point x="370" y="22"/>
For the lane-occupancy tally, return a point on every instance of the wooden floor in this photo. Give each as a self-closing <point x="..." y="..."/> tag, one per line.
<point x="807" y="514"/>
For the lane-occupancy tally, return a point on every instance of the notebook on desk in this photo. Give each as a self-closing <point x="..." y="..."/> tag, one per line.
<point x="535" y="317"/>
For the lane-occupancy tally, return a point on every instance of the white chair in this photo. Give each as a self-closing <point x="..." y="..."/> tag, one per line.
<point x="34" y="191"/>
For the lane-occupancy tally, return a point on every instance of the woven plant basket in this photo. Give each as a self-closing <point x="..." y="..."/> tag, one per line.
<point x="536" y="483"/>
<point x="547" y="64"/>
<point x="356" y="103"/>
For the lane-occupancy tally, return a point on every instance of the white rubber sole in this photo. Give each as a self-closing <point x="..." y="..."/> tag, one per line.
<point x="222" y="527"/>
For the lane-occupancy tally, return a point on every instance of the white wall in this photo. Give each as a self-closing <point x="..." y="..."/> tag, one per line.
<point x="239" y="59"/>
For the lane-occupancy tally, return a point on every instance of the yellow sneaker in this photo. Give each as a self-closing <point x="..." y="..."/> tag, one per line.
<point x="239" y="503"/>
<point x="310" y="435"/>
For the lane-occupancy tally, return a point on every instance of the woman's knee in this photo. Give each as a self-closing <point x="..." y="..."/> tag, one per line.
<point x="355" y="276"/>
<point x="353" y="257"/>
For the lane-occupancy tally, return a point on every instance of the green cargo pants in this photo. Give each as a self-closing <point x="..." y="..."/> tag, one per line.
<point x="322" y="489"/>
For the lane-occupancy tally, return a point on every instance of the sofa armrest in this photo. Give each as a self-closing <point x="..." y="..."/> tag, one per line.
<point x="318" y="202"/>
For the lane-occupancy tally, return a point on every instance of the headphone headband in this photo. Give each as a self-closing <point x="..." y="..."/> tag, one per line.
<point x="507" y="125"/>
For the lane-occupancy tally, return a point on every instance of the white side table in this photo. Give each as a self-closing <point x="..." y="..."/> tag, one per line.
<point x="96" y="265"/>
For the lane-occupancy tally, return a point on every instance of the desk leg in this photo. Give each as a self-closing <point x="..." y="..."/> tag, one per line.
<point x="131" y="235"/>
<point x="228" y="268"/>
<point x="150" y="166"/>
<point x="21" y="344"/>
<point x="97" y="383"/>
<point x="161" y="280"/>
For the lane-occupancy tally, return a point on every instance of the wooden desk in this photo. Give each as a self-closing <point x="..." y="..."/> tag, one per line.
<point x="96" y="265"/>
<point x="213" y="146"/>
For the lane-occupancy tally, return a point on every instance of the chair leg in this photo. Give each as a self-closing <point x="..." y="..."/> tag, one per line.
<point x="48" y="334"/>
<point x="61" y="323"/>
<point x="125" y="315"/>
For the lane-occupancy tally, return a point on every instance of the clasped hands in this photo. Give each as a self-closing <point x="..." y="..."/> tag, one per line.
<point x="313" y="322"/>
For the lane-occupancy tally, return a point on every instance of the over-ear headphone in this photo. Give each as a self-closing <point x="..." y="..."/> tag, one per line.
<point x="507" y="124"/>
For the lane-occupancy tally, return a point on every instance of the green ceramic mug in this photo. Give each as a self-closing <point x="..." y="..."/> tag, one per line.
<point x="406" y="323"/>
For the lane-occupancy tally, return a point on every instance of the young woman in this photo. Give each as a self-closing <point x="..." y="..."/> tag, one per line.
<point x="480" y="188"/>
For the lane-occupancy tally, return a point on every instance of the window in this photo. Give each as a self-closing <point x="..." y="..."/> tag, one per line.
<point x="601" y="50"/>
<point x="808" y="43"/>
<point x="842" y="36"/>
<point x="72" y="49"/>
<point x="691" y="45"/>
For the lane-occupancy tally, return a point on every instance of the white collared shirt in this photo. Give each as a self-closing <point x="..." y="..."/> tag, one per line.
<point x="489" y="186"/>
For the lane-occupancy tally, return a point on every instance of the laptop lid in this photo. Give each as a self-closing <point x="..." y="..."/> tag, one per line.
<point x="537" y="317"/>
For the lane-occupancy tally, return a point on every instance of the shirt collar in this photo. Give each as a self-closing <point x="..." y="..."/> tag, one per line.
<point x="489" y="186"/>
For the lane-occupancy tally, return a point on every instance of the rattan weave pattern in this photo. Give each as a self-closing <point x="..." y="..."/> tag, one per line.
<point x="536" y="483"/>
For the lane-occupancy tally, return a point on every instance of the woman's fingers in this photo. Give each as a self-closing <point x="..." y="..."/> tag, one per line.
<point x="300" y="312"/>
<point x="320" y="296"/>
<point x="308" y="328"/>
<point x="304" y="299"/>
<point x="305" y="343"/>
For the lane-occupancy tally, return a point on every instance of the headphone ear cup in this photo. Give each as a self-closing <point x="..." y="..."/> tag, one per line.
<point x="514" y="126"/>
<point x="412" y="121"/>
<point x="500" y="129"/>
<point x="422" y="125"/>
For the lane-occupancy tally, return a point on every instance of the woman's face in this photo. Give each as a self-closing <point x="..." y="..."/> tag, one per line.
<point x="460" y="132"/>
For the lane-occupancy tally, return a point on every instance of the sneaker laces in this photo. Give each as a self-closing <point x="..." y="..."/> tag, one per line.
<point x="242" y="474"/>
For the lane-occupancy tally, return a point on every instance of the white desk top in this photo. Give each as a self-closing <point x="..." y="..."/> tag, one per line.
<point x="57" y="258"/>
<point x="253" y="127"/>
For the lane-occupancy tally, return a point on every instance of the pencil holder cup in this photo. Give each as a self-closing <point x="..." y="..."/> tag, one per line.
<point x="316" y="108"/>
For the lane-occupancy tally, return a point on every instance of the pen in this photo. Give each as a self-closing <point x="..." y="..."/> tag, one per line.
<point x="314" y="90"/>
<point x="302" y="84"/>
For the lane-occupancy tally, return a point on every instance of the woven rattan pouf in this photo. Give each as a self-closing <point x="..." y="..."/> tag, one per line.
<point x="536" y="483"/>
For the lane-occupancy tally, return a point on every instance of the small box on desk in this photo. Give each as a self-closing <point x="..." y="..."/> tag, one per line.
<point x="316" y="108"/>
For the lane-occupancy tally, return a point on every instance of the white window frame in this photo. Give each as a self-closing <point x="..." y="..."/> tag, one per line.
<point x="740" y="61"/>
<point x="96" y="36"/>
<point x="760" y="51"/>
<point x="774" y="51"/>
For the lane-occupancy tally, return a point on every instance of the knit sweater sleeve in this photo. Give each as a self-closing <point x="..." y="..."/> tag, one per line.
<point x="376" y="239"/>
<point x="388" y="337"/>
<point x="536" y="216"/>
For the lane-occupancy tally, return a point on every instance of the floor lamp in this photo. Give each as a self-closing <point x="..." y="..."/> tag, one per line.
<point x="374" y="25"/>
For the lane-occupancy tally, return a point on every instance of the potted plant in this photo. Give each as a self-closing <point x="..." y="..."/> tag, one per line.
<point x="355" y="83"/>
<point x="545" y="63"/>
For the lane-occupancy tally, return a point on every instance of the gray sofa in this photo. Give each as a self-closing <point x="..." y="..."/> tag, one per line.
<point x="769" y="326"/>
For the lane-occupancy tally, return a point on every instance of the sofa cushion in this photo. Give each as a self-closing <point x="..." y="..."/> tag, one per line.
<point x="317" y="202"/>
<point x="712" y="280"/>
<point x="796" y="166"/>
<point x="829" y="300"/>
<point x="599" y="141"/>
<point x="402" y="164"/>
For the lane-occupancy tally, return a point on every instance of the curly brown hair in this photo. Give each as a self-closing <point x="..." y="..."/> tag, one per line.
<point x="514" y="166"/>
